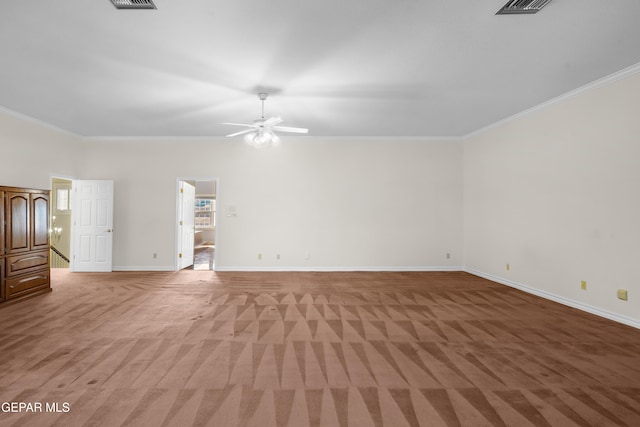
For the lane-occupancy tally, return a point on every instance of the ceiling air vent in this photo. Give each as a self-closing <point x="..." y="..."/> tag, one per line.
<point x="133" y="4"/>
<point x="522" y="6"/>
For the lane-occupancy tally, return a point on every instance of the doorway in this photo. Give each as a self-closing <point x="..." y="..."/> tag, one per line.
<point x="81" y="224"/>
<point x="201" y="235"/>
<point x="60" y="222"/>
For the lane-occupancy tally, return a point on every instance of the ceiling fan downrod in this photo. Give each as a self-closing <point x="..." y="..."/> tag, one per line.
<point x="263" y="97"/>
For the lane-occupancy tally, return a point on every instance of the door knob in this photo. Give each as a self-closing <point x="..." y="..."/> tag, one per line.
<point x="109" y="230"/>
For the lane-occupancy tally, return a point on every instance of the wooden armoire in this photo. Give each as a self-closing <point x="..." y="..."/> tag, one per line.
<point x="24" y="243"/>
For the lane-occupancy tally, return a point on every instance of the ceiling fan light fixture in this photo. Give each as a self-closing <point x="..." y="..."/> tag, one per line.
<point x="262" y="138"/>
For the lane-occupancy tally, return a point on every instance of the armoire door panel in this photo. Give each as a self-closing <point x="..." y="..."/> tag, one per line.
<point x="18" y="222"/>
<point x="2" y="227"/>
<point x="40" y="218"/>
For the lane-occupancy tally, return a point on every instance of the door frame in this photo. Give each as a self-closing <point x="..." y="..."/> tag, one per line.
<point x="66" y="231"/>
<point x="176" y="236"/>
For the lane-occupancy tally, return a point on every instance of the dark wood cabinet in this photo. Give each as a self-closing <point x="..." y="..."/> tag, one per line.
<point x="24" y="243"/>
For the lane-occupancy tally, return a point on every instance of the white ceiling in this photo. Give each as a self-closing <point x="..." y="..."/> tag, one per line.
<point x="339" y="67"/>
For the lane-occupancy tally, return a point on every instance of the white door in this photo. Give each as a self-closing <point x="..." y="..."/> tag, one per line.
<point x="186" y="224"/>
<point x="91" y="225"/>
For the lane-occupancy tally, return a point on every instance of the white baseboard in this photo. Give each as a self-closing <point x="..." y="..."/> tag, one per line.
<point x="143" y="268"/>
<point x="559" y="299"/>
<point x="346" y="269"/>
<point x="284" y="269"/>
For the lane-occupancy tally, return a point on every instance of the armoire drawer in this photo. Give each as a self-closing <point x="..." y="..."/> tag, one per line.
<point x="22" y="285"/>
<point x="25" y="263"/>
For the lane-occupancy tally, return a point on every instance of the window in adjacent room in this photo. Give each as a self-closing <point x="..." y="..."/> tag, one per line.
<point x="205" y="213"/>
<point x="62" y="200"/>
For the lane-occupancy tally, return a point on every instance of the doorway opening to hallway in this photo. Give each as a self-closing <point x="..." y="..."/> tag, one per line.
<point x="196" y="223"/>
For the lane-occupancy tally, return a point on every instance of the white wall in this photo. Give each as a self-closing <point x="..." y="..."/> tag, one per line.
<point x="350" y="204"/>
<point x="32" y="152"/>
<point x="556" y="195"/>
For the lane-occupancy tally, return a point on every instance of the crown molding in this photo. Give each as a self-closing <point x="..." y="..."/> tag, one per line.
<point x="284" y="138"/>
<point x="33" y="120"/>
<point x="589" y="87"/>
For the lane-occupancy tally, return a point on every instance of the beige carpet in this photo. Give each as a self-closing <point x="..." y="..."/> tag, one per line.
<point x="310" y="349"/>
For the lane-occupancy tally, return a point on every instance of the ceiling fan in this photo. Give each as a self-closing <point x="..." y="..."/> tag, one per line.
<point x="261" y="131"/>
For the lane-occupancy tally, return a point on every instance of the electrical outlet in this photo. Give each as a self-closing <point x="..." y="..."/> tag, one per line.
<point x="622" y="294"/>
<point x="583" y="285"/>
<point x="508" y="267"/>
<point x="278" y="256"/>
<point x="259" y="256"/>
<point x="155" y="255"/>
<point x="448" y="255"/>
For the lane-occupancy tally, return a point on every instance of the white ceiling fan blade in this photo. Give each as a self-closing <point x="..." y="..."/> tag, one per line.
<point x="242" y="132"/>
<point x="290" y="129"/>
<point x="241" y="124"/>
<point x="272" y="121"/>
